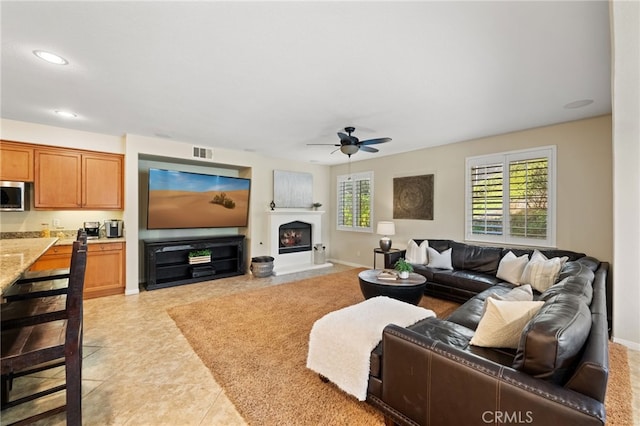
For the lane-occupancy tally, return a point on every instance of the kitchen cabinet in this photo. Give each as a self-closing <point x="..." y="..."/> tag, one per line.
<point x="72" y="179"/>
<point x="105" y="272"/>
<point x="16" y="161"/>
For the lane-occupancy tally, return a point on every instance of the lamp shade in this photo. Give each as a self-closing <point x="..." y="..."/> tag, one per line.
<point x="386" y="228"/>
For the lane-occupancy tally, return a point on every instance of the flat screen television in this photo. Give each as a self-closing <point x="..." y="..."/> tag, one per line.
<point x="180" y="199"/>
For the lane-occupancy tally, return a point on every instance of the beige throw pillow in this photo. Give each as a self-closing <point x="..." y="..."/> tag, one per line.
<point x="417" y="254"/>
<point x="541" y="272"/>
<point x="511" y="267"/>
<point x="439" y="260"/>
<point x="503" y="322"/>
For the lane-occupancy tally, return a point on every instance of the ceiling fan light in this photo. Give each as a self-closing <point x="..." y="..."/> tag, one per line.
<point x="349" y="149"/>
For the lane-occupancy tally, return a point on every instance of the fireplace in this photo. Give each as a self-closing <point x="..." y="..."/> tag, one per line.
<point x="294" y="237"/>
<point x="292" y="234"/>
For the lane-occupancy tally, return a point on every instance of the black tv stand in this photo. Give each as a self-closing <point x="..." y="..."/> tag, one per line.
<point x="167" y="260"/>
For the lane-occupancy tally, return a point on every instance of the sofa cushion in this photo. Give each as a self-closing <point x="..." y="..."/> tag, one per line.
<point x="553" y="339"/>
<point x="511" y="267"/>
<point x="475" y="258"/>
<point x="468" y="280"/>
<point x="577" y="286"/>
<point x="443" y="331"/>
<point x="439" y="260"/>
<point x="577" y="269"/>
<point x="502" y="323"/>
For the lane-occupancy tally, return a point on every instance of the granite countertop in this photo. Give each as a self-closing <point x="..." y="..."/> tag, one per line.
<point x="18" y="254"/>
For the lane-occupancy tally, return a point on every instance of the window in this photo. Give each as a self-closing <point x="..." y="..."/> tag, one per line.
<point x="510" y="197"/>
<point x="355" y="202"/>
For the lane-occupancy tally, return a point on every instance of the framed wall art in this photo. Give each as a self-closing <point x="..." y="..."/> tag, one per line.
<point x="292" y="189"/>
<point x="413" y="197"/>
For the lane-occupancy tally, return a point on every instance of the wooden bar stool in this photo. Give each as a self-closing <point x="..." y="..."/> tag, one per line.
<point x="33" y="348"/>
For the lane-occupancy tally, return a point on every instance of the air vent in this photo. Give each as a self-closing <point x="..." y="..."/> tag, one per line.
<point x="199" y="152"/>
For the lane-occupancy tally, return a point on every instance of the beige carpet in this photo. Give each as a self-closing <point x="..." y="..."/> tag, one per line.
<point x="255" y="344"/>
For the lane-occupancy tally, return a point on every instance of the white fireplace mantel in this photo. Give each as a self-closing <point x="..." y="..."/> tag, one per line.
<point x="294" y="262"/>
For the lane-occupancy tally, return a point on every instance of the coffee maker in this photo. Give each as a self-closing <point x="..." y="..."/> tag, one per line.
<point x="113" y="228"/>
<point x="92" y="229"/>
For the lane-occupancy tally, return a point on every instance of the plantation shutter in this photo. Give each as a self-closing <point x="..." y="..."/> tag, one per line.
<point x="345" y="203"/>
<point x="510" y="197"/>
<point x="486" y="199"/>
<point x="528" y="198"/>
<point x="355" y="201"/>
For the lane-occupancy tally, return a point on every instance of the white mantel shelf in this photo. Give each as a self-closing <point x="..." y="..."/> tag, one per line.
<point x="294" y="262"/>
<point x="295" y="211"/>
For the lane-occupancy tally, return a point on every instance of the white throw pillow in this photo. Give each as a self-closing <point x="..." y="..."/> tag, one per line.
<point x="511" y="267"/>
<point x="439" y="260"/>
<point x="544" y="274"/>
<point x="503" y="322"/>
<point x="541" y="272"/>
<point x="417" y="254"/>
<point x="522" y="293"/>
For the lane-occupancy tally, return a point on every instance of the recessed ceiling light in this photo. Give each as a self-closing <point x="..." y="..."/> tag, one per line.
<point x="578" y="104"/>
<point x="66" y="114"/>
<point x="52" y="58"/>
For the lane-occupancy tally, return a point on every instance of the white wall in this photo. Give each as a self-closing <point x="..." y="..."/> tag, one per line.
<point x="584" y="184"/>
<point x="625" y="18"/>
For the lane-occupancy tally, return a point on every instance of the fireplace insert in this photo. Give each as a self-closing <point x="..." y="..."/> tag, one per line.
<point x="294" y="237"/>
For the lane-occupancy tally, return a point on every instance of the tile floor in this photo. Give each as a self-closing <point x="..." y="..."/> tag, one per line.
<point x="140" y="370"/>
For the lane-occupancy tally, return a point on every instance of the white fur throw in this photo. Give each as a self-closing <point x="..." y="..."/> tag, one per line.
<point x="340" y="343"/>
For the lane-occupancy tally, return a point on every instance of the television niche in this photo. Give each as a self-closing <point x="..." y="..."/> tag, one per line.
<point x="179" y="200"/>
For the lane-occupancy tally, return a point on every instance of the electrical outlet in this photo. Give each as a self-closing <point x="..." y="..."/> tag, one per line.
<point x="358" y="253"/>
<point x="56" y="223"/>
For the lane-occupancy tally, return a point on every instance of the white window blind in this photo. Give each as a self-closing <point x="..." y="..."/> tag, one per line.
<point x="511" y="197"/>
<point x="355" y="202"/>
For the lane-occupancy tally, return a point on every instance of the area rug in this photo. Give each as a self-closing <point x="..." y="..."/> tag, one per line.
<point x="255" y="344"/>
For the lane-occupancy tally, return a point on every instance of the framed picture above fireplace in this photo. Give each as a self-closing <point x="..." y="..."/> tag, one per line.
<point x="292" y="189"/>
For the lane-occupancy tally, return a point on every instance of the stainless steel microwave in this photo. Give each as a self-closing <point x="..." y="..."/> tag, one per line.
<point x="13" y="195"/>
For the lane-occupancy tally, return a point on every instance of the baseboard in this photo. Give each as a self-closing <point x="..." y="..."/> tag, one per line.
<point x="628" y="343"/>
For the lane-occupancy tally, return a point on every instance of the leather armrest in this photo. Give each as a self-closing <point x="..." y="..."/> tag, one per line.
<point x="428" y="382"/>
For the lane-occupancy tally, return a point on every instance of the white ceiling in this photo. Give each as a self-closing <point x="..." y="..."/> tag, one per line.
<point x="275" y="76"/>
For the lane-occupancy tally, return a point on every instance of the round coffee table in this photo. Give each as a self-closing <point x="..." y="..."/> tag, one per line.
<point x="409" y="290"/>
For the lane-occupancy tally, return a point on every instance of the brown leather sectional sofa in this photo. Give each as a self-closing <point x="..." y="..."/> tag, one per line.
<point x="429" y="373"/>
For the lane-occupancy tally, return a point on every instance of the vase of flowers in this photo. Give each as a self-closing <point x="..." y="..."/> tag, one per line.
<point x="403" y="267"/>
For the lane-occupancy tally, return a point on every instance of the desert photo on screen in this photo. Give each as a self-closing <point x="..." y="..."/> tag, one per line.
<point x="191" y="200"/>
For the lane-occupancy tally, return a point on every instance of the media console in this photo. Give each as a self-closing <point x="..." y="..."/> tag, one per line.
<point x="167" y="260"/>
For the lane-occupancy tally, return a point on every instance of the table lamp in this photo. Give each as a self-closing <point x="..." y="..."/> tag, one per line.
<point x="386" y="229"/>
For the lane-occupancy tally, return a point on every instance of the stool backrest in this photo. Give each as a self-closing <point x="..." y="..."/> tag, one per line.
<point x="74" y="295"/>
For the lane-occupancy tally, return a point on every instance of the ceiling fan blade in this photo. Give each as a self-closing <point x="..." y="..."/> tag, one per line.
<point x="367" y="148"/>
<point x="344" y="138"/>
<point x="325" y="144"/>
<point x="375" y="141"/>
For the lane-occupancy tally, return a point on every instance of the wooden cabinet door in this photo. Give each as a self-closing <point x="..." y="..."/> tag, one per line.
<point x="16" y="162"/>
<point x="58" y="179"/>
<point x="103" y="183"/>
<point x="56" y="257"/>
<point x="105" y="270"/>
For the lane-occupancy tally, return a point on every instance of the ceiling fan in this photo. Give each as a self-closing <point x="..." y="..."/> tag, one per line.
<point x="350" y="144"/>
